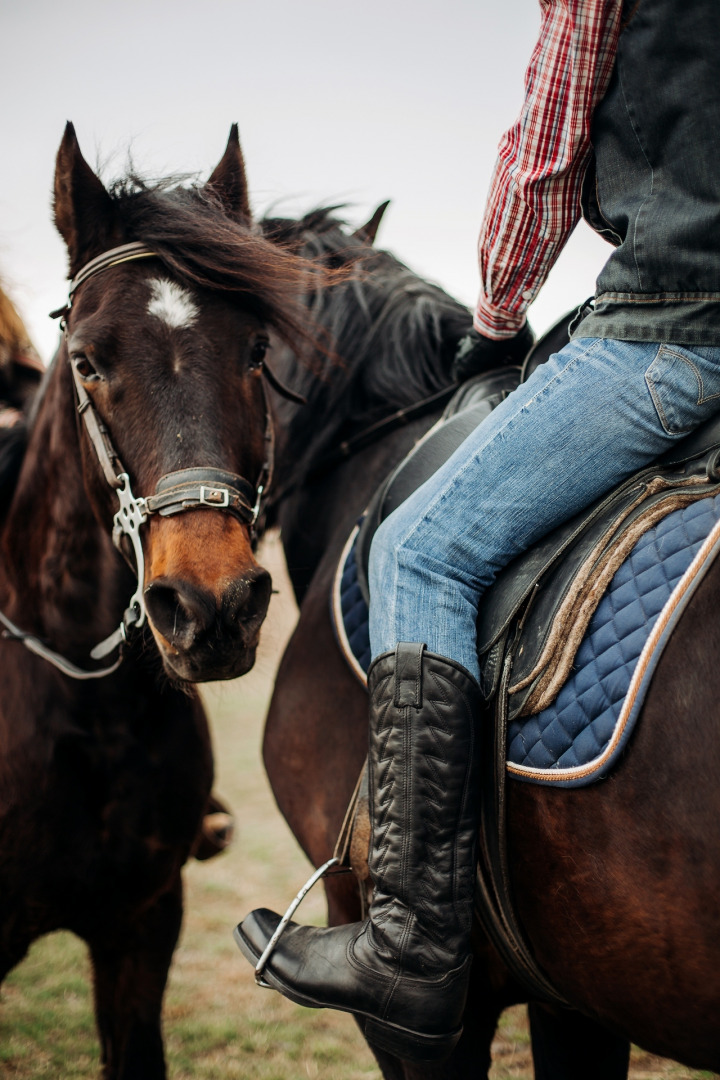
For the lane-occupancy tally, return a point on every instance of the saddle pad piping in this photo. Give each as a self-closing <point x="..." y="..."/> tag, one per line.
<point x="556" y="662"/>
<point x="338" y="619"/>
<point x="644" y="670"/>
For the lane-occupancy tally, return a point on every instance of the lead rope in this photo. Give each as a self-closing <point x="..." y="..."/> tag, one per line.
<point x="35" y="645"/>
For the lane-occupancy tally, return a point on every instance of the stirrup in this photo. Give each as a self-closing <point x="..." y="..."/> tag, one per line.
<point x="270" y="947"/>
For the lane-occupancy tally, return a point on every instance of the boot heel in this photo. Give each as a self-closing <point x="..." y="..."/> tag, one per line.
<point x="410" y="1045"/>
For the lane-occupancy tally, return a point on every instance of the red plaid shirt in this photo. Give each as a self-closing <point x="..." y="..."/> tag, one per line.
<point x="534" y="200"/>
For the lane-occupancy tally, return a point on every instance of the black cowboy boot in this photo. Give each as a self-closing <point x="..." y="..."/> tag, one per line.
<point x="403" y="971"/>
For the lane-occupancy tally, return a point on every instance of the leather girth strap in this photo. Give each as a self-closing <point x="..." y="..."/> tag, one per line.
<point x="494" y="908"/>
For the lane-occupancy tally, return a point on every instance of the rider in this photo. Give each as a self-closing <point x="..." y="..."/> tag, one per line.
<point x="621" y="121"/>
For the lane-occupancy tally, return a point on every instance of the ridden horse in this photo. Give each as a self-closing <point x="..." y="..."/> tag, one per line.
<point x="104" y="780"/>
<point x="616" y="884"/>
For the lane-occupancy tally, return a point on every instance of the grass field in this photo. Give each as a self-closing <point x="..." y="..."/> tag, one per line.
<point x="218" y="1024"/>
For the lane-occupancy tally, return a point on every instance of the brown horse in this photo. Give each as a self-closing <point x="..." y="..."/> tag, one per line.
<point x="155" y="401"/>
<point x="20" y="366"/>
<point x="616" y="884"/>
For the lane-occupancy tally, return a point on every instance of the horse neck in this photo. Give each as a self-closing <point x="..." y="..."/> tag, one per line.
<point x="58" y="571"/>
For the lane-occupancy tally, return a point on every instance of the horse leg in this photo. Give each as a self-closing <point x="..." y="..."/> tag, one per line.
<point x="470" y="1060"/>
<point x="566" y="1044"/>
<point x="131" y="964"/>
<point x="316" y="740"/>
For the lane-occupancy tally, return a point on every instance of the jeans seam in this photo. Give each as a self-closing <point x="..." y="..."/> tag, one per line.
<point x="442" y="495"/>
<point x="698" y="375"/>
<point x="651" y="384"/>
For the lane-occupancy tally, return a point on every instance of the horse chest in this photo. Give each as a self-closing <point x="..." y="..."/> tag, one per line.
<point x="101" y="814"/>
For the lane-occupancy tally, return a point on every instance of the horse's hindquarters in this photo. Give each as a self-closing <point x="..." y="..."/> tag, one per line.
<point x="617" y="883"/>
<point x="206" y="596"/>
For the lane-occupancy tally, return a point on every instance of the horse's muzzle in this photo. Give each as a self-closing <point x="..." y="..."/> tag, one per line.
<point x="203" y="636"/>
<point x="205" y="595"/>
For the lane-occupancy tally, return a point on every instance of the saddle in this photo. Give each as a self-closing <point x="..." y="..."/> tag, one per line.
<point x="535" y="618"/>
<point x="544" y="600"/>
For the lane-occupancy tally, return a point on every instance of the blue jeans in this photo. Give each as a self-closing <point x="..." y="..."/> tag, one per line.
<point x="596" y="412"/>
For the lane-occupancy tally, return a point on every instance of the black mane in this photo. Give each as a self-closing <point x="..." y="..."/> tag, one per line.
<point x="393" y="335"/>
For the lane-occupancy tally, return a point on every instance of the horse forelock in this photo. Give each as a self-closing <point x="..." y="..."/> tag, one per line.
<point x="191" y="232"/>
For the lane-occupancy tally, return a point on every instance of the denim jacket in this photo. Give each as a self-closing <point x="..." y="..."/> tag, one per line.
<point x="654" y="187"/>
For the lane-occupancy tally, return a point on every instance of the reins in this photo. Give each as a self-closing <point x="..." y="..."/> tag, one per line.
<point x="175" y="492"/>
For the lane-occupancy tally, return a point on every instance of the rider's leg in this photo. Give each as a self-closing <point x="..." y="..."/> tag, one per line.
<point x="404" y="972"/>
<point x="592" y="415"/>
<point x="589" y="417"/>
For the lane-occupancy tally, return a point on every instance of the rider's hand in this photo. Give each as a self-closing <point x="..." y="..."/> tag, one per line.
<point x="476" y="353"/>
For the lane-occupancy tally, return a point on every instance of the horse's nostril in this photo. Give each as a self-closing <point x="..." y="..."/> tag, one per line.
<point x="181" y="612"/>
<point x="178" y="614"/>
<point x="248" y="599"/>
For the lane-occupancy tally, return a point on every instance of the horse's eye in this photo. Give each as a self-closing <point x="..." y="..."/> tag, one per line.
<point x="84" y="368"/>
<point x="258" y="353"/>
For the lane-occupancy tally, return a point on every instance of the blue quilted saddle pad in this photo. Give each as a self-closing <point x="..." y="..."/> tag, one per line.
<point x="582" y="734"/>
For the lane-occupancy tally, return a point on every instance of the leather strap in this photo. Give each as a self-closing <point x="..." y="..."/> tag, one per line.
<point x="107" y="455"/>
<point x="408" y="674"/>
<point x="122" y="254"/>
<point x="188" y="489"/>
<point x="493" y="899"/>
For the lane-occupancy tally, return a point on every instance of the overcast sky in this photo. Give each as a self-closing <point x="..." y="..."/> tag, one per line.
<point x="336" y="101"/>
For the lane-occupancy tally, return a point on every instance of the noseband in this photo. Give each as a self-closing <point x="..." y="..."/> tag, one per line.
<point x="175" y="492"/>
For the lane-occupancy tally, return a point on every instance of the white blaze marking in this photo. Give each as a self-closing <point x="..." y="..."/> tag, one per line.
<point x="171" y="303"/>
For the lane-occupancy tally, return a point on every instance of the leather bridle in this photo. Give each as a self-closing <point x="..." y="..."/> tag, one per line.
<point x="175" y="492"/>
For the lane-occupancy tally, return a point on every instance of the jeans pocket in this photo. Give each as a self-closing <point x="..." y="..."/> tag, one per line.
<point x="685" y="386"/>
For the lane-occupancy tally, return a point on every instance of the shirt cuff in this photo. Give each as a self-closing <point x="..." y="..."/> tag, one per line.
<point x="496" y="324"/>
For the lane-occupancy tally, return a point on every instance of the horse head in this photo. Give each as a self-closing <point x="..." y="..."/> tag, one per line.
<point x="165" y="340"/>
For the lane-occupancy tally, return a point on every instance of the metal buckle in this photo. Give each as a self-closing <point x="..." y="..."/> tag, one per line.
<point x="218" y="497"/>
<point x="127" y="521"/>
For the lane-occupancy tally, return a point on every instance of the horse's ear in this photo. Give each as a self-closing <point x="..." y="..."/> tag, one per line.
<point x="228" y="180"/>
<point x="368" y="232"/>
<point x="84" y="213"/>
